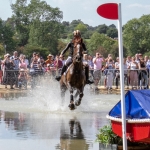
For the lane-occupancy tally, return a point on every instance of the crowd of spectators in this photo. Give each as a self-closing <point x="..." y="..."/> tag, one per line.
<point x="17" y="67"/>
<point x="136" y="69"/>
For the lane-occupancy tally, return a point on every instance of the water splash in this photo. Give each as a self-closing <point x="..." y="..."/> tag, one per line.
<point x="46" y="98"/>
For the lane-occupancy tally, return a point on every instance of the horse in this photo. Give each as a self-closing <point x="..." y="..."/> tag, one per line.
<point x="74" y="78"/>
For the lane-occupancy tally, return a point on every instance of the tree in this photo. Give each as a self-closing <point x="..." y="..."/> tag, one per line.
<point x="81" y="27"/>
<point x="37" y="24"/>
<point x="102" y="29"/>
<point x="136" y="35"/>
<point x="6" y="37"/>
<point x="112" y="26"/>
<point x="96" y="41"/>
<point x="21" y="19"/>
<point x="103" y="44"/>
<point x="112" y="32"/>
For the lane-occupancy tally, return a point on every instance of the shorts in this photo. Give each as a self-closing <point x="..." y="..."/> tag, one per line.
<point x="97" y="74"/>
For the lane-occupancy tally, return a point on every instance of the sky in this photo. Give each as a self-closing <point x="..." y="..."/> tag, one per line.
<point x="85" y="10"/>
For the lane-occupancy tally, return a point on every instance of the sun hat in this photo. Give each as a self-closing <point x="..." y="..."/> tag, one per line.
<point x="50" y="55"/>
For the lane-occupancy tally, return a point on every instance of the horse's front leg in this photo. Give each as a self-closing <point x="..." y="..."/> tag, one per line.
<point x="78" y="102"/>
<point x="71" y="105"/>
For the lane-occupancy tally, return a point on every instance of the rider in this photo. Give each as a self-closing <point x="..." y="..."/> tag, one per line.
<point x="77" y="38"/>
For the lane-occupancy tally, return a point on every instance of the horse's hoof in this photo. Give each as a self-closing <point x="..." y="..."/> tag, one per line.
<point x="72" y="106"/>
<point x="77" y="103"/>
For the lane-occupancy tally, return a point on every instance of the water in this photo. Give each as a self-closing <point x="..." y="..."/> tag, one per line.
<point x="35" y="119"/>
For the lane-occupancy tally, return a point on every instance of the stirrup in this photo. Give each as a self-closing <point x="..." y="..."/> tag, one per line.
<point x="89" y="82"/>
<point x="58" y="78"/>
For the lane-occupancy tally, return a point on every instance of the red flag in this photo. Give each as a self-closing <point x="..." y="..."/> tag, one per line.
<point x="108" y="10"/>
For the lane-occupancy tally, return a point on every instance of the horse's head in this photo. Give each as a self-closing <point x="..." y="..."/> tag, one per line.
<point x="78" y="53"/>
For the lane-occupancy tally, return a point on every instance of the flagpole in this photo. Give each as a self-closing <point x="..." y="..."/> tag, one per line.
<point x="120" y="41"/>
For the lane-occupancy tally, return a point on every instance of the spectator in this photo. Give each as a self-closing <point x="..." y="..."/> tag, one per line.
<point x="22" y="63"/>
<point x="16" y="62"/>
<point x="34" y="66"/>
<point x="41" y="70"/>
<point x="137" y="58"/>
<point x="33" y="56"/>
<point x="91" y="64"/>
<point x="117" y="72"/>
<point x="147" y="61"/>
<point x="110" y="71"/>
<point x="42" y="62"/>
<point x="26" y="61"/>
<point x="1" y="72"/>
<point x="140" y="56"/>
<point x="49" y="59"/>
<point x="22" y="78"/>
<point x="117" y="66"/>
<point x="138" y="61"/>
<point x="143" y="73"/>
<point x="58" y="64"/>
<point x="128" y="61"/>
<point x="133" y="73"/>
<point x="38" y="58"/>
<point x="8" y="74"/>
<point x="103" y="69"/>
<point x="126" y="76"/>
<point x="98" y="60"/>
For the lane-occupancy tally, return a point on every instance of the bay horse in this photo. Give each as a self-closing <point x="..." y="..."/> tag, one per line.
<point x="74" y="78"/>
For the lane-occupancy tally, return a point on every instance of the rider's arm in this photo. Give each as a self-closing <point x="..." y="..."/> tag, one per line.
<point x="67" y="47"/>
<point x="84" y="47"/>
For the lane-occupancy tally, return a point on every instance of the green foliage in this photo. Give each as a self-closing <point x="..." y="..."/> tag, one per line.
<point x="2" y="51"/>
<point x="37" y="24"/>
<point x="81" y="27"/>
<point x="136" y="35"/>
<point x="106" y="136"/>
<point x="102" y="29"/>
<point x="103" y="44"/>
<point x="113" y="33"/>
<point x="61" y="45"/>
<point x="96" y="40"/>
<point x="21" y="19"/>
<point x="29" y="49"/>
<point x="6" y="37"/>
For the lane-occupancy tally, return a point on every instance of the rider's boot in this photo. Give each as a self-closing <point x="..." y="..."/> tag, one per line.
<point x="87" y="75"/>
<point x="64" y="68"/>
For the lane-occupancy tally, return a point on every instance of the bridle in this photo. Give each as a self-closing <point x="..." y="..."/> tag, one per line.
<point x="77" y="57"/>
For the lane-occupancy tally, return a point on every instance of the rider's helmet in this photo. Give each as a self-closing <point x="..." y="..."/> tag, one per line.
<point x="77" y="33"/>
